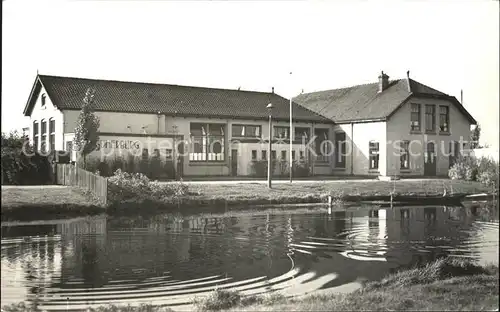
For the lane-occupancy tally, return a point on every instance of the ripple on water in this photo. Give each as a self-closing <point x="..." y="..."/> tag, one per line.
<point x="131" y="261"/>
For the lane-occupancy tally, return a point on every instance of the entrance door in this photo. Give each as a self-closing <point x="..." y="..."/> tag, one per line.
<point x="430" y="160"/>
<point x="234" y="162"/>
<point x="180" y="160"/>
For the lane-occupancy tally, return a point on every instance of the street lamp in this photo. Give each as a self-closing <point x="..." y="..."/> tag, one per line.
<point x="269" y="166"/>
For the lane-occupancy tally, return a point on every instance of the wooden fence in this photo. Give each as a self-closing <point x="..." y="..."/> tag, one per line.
<point x="72" y="175"/>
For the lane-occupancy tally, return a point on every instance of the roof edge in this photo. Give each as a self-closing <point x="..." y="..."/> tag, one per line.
<point x="29" y="105"/>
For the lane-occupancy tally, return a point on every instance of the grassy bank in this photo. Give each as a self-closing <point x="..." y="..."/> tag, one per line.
<point x="58" y="202"/>
<point x="445" y="285"/>
<point x="46" y="202"/>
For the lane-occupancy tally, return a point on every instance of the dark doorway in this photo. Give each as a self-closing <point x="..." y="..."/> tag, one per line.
<point x="234" y="162"/>
<point x="180" y="160"/>
<point x="430" y="160"/>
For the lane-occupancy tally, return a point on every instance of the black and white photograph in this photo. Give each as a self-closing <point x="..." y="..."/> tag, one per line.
<point x="250" y="155"/>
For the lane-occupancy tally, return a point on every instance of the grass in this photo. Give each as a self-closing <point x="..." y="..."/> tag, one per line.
<point x="317" y="192"/>
<point x="445" y="285"/>
<point x="46" y="202"/>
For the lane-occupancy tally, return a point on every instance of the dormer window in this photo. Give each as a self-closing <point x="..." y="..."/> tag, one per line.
<point x="44" y="96"/>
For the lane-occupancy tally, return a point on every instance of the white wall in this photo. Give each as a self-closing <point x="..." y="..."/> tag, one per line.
<point x="398" y="128"/>
<point x="363" y="133"/>
<point x="40" y="113"/>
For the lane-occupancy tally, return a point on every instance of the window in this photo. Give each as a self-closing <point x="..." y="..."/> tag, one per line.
<point x="35" y="135"/>
<point x="322" y="149"/>
<point x="43" y="99"/>
<point x="415" y="117"/>
<point x="246" y="131"/>
<point x="340" y="145"/>
<point x="263" y="155"/>
<point x="281" y="132"/>
<point x="145" y="153"/>
<point x="44" y="136"/>
<point x="444" y="119"/>
<point x="301" y="154"/>
<point x="273" y="155"/>
<point x="430" y="118"/>
<point x="404" y="155"/>
<point x="302" y="134"/>
<point x="156" y="153"/>
<point x="254" y="154"/>
<point x="207" y="142"/>
<point x="374" y="154"/>
<point x="283" y="155"/>
<point x="293" y="155"/>
<point x="52" y="134"/>
<point x="168" y="154"/>
<point x="453" y="152"/>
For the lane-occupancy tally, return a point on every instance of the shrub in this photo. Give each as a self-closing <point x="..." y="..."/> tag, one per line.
<point x="137" y="186"/>
<point x="91" y="163"/>
<point x="301" y="169"/>
<point x="484" y="170"/>
<point x="258" y="168"/>
<point x="219" y="299"/>
<point x="21" y="167"/>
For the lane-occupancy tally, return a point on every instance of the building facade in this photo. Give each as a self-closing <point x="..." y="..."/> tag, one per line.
<point x="388" y="128"/>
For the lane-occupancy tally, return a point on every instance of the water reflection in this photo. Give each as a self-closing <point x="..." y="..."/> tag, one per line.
<point x="169" y="259"/>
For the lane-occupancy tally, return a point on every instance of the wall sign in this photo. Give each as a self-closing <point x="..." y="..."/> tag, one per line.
<point x="119" y="144"/>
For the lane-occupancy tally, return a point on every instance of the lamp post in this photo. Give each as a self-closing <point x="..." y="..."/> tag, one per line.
<point x="269" y="161"/>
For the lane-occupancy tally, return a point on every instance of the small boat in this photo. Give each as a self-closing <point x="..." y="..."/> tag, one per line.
<point x="408" y="199"/>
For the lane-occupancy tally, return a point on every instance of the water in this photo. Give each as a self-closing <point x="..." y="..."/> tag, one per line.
<point x="168" y="260"/>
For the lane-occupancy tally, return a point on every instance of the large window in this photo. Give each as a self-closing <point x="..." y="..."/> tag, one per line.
<point x="322" y="145"/>
<point x="283" y="155"/>
<point x="207" y="142"/>
<point x="250" y="131"/>
<point x="374" y="154"/>
<point x="444" y="119"/>
<point x="36" y="136"/>
<point x="281" y="132"/>
<point x="340" y="150"/>
<point x="302" y="134"/>
<point x="430" y="118"/>
<point x="52" y="134"/>
<point x="263" y="154"/>
<point x="44" y="136"/>
<point x="415" y="117"/>
<point x="404" y="157"/>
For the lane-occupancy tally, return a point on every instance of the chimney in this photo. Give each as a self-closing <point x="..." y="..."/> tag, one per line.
<point x="273" y="90"/>
<point x="408" y="80"/>
<point x="462" y="97"/>
<point x="383" y="82"/>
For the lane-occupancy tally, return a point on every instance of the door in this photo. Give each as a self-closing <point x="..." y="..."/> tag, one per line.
<point x="180" y="160"/>
<point x="234" y="162"/>
<point x="430" y="160"/>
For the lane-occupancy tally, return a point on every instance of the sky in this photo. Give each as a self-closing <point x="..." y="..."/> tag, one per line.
<point x="448" y="45"/>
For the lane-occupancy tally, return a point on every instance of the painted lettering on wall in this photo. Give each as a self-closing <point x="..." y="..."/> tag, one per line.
<point x="119" y="144"/>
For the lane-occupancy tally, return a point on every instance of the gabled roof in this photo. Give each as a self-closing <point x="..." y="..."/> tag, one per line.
<point x="364" y="102"/>
<point x="137" y="97"/>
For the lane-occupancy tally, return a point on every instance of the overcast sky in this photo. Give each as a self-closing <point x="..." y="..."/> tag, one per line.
<point x="448" y="45"/>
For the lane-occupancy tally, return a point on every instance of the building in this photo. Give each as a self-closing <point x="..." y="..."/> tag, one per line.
<point x="393" y="128"/>
<point x="385" y="128"/>
<point x="211" y="132"/>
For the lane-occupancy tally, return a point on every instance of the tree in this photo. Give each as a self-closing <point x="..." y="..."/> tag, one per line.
<point x="474" y="137"/>
<point x="87" y="127"/>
